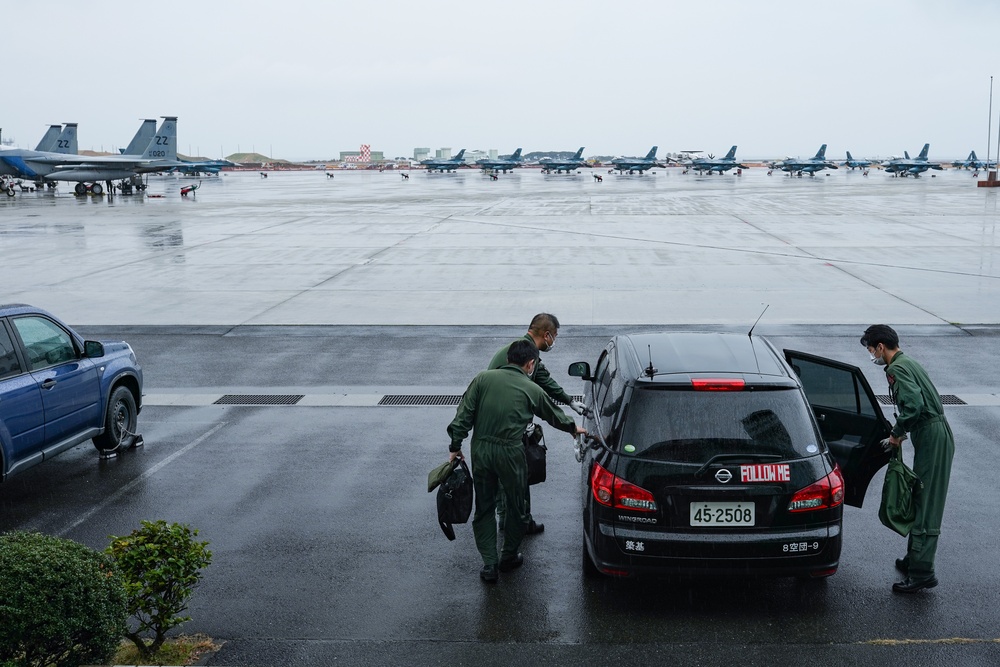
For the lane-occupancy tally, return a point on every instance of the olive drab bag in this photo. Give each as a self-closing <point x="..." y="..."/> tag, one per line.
<point x="534" y="453"/>
<point x="454" y="498"/>
<point x="898" y="509"/>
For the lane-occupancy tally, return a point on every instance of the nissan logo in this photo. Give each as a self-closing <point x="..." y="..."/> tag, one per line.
<point x="723" y="475"/>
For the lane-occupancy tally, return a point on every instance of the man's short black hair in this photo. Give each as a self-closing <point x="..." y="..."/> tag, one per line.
<point x="880" y="334"/>
<point x="521" y="352"/>
<point x="543" y="322"/>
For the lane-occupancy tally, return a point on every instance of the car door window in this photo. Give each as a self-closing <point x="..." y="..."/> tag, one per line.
<point x="45" y="342"/>
<point x="9" y="364"/>
<point x="832" y="387"/>
<point x="602" y="379"/>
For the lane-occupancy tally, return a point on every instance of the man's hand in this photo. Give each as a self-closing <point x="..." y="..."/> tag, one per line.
<point x="581" y="430"/>
<point x="577" y="407"/>
<point x="455" y="455"/>
<point x="891" y="442"/>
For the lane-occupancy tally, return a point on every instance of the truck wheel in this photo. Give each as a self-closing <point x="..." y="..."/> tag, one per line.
<point x="119" y="422"/>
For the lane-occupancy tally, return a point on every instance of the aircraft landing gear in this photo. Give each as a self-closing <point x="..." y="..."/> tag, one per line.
<point x="93" y="188"/>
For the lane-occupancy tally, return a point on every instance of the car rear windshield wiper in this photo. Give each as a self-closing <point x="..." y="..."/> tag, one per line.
<point x="730" y="457"/>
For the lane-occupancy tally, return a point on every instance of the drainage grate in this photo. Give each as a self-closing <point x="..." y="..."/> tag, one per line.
<point x="430" y="399"/>
<point x="259" y="399"/>
<point x="416" y="399"/>
<point x="946" y="399"/>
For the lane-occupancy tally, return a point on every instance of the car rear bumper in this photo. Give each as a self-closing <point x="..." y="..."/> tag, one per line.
<point x="619" y="551"/>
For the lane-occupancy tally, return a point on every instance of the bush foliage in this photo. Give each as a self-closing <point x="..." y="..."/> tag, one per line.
<point x="161" y="565"/>
<point x="61" y="603"/>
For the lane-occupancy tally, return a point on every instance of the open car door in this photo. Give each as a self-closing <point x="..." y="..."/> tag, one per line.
<point x="849" y="417"/>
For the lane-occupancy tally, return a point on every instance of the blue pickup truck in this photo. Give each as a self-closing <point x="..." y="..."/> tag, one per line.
<point x="57" y="390"/>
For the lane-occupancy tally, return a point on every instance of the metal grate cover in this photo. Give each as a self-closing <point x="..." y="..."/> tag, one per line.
<point x="946" y="399"/>
<point x="417" y="399"/>
<point x="259" y="399"/>
<point x="430" y="399"/>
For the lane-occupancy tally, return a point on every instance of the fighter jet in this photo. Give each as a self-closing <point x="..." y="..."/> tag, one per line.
<point x="636" y="164"/>
<point x="559" y="166"/>
<point x="500" y="164"/>
<point x="43" y="166"/>
<point x="809" y="166"/>
<point x="450" y="164"/>
<point x="912" y="167"/>
<point x="973" y="162"/>
<point x="855" y="164"/>
<point x="718" y="165"/>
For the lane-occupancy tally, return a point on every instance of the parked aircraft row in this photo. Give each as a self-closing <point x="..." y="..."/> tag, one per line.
<point x="904" y="166"/>
<point x="55" y="158"/>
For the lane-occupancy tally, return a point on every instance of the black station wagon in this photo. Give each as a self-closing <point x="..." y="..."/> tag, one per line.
<point x="714" y="453"/>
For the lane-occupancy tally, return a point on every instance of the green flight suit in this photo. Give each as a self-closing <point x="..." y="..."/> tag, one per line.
<point x="497" y="407"/>
<point x="919" y="412"/>
<point x="543" y="379"/>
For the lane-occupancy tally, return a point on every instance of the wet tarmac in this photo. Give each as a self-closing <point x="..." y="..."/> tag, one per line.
<point x="462" y="249"/>
<point x="344" y="290"/>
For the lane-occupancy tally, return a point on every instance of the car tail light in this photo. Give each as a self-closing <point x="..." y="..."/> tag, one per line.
<point x="718" y="384"/>
<point x="613" y="491"/>
<point x="824" y="494"/>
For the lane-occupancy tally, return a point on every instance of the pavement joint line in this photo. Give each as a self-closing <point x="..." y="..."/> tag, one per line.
<point x="187" y="398"/>
<point x="114" y="497"/>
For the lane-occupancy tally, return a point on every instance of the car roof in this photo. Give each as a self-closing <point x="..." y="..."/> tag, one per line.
<point x="701" y="353"/>
<point x="18" y="309"/>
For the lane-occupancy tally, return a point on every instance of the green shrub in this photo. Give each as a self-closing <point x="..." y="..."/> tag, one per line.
<point x="62" y="604"/>
<point x="161" y="565"/>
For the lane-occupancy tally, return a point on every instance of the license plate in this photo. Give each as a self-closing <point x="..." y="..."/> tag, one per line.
<point x="722" y="514"/>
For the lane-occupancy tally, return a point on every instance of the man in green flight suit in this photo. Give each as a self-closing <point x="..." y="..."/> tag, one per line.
<point x="542" y="331"/>
<point x="919" y="413"/>
<point x="496" y="407"/>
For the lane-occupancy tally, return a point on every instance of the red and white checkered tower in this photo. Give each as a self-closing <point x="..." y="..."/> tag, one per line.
<point x="366" y="153"/>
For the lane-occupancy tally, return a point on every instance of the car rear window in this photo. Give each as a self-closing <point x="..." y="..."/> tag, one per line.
<point x="689" y="426"/>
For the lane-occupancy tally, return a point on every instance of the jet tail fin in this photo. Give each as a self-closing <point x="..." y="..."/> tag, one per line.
<point x="516" y="155"/>
<point x="731" y="155"/>
<point x="849" y="156"/>
<point x="821" y="153"/>
<point x="460" y="155"/>
<point x="923" y="153"/>
<point x="66" y="144"/>
<point x="651" y="155"/>
<point x="142" y="137"/>
<point x="163" y="145"/>
<point x="48" y="141"/>
<point x="579" y="154"/>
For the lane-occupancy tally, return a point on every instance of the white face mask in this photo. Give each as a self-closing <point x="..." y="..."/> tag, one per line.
<point x="878" y="361"/>
<point x="550" y="341"/>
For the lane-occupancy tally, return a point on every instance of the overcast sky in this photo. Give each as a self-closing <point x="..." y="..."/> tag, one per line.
<point x="301" y="79"/>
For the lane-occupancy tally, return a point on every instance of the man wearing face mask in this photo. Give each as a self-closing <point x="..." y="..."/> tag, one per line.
<point x="542" y="332"/>
<point x="919" y="413"/>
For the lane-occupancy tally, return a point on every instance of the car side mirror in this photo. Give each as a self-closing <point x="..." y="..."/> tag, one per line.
<point x="92" y="349"/>
<point x="580" y="369"/>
